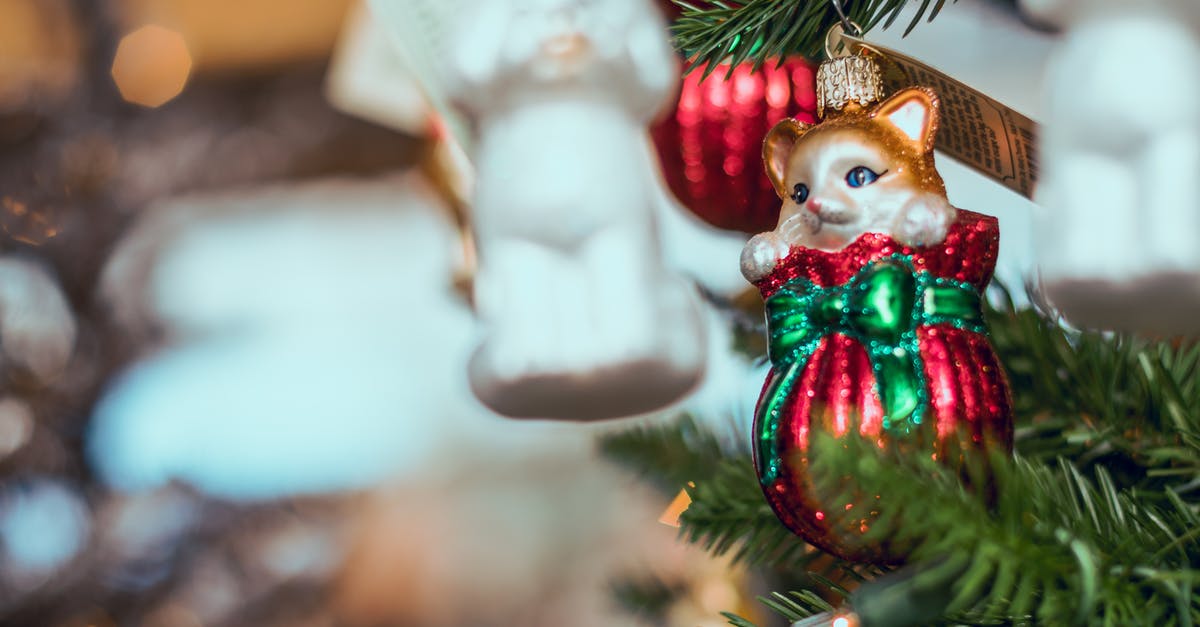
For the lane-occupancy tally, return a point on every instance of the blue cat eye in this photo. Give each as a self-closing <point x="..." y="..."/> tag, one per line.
<point x="862" y="175"/>
<point x="800" y="193"/>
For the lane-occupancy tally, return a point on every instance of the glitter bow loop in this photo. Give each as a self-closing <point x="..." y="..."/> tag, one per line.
<point x="881" y="306"/>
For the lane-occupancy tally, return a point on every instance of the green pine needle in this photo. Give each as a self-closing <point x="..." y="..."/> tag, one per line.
<point x="711" y="32"/>
<point x="737" y="621"/>
<point x="669" y="455"/>
<point x="1058" y="547"/>
<point x="1130" y="404"/>
<point x="648" y="597"/>
<point x="1095" y="521"/>
<point x="728" y="514"/>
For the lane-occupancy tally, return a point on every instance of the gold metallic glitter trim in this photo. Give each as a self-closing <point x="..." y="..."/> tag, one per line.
<point x="845" y="80"/>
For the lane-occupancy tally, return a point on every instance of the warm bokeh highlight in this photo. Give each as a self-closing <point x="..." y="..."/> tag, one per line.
<point x="39" y="51"/>
<point x="151" y="66"/>
<point x="244" y="35"/>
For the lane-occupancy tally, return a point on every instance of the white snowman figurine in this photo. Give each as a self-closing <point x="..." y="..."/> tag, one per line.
<point x="581" y="319"/>
<point x="1119" y="240"/>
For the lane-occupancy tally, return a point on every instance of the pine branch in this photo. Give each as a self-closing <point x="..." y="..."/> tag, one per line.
<point x="1110" y="534"/>
<point x="648" y="597"/>
<point x="710" y="32"/>
<point x="728" y="513"/>
<point x="669" y="455"/>
<point x="1111" y="400"/>
<point x="737" y="621"/>
<point x="793" y="606"/>
<point x="1057" y="547"/>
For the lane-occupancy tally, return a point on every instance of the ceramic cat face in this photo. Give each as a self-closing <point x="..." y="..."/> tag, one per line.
<point x="559" y="38"/>
<point x="864" y="170"/>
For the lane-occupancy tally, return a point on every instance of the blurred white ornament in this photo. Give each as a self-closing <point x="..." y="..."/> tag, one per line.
<point x="142" y="533"/>
<point x="298" y="550"/>
<point x="401" y="84"/>
<point x="16" y="425"/>
<point x="582" y="319"/>
<point x="37" y="330"/>
<point x="314" y="341"/>
<point x="1119" y="241"/>
<point x="43" y="526"/>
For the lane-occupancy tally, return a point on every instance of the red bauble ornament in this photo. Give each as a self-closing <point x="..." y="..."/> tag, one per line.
<point x="710" y="146"/>
<point x="848" y="375"/>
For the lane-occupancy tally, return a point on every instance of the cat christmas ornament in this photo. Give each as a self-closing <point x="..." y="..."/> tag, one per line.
<point x="581" y="318"/>
<point x="873" y="285"/>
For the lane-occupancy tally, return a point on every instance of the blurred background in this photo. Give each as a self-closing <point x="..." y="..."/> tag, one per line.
<point x="232" y="388"/>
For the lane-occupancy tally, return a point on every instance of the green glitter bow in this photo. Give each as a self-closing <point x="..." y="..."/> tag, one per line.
<point x="881" y="306"/>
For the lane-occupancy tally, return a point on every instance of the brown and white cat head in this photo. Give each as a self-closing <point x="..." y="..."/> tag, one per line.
<point x="860" y="171"/>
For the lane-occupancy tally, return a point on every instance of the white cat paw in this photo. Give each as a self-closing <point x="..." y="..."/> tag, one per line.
<point x="761" y="254"/>
<point x="924" y="221"/>
<point x="799" y="228"/>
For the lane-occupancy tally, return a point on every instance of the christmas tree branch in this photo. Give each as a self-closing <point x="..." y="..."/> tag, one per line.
<point x="1106" y="533"/>
<point x="647" y="596"/>
<point x="728" y="513"/>
<point x="1057" y="546"/>
<point x="1103" y="400"/>
<point x="710" y="32"/>
<point x="668" y="455"/>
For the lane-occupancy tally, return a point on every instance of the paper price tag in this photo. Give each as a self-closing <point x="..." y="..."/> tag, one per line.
<point x="423" y="31"/>
<point x="996" y="141"/>
<point x="390" y="69"/>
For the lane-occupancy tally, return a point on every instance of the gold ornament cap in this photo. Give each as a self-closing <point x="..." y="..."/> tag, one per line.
<point x="842" y="81"/>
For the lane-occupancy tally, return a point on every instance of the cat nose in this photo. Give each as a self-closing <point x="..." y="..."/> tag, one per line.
<point x="813" y="205"/>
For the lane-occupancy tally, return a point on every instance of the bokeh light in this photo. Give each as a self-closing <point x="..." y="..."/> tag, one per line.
<point x="43" y="525"/>
<point x="16" y="426"/>
<point x="39" y="52"/>
<point x="845" y="620"/>
<point x="678" y="506"/>
<point x="31" y="225"/>
<point x="151" y="66"/>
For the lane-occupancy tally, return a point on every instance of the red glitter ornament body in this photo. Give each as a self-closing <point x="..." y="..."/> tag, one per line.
<point x="835" y="390"/>
<point x="710" y="147"/>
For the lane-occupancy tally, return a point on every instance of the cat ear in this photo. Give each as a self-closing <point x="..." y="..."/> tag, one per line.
<point x="913" y="112"/>
<point x="776" y="149"/>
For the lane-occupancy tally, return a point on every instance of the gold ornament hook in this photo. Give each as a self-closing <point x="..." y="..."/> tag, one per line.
<point x="835" y="40"/>
<point x="833" y="43"/>
<point x="846" y="23"/>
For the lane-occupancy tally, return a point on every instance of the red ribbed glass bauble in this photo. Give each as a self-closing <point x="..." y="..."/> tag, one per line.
<point x="710" y="146"/>
<point x="834" y="387"/>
